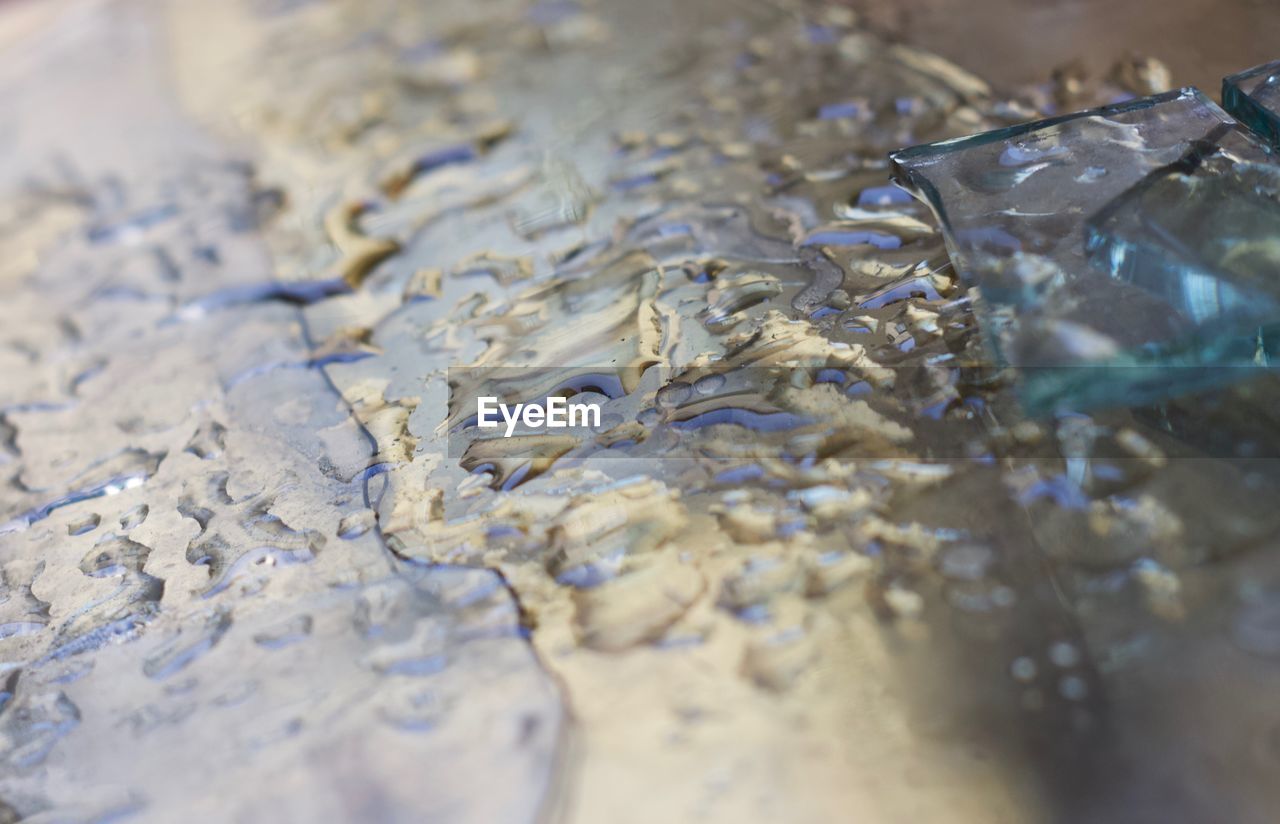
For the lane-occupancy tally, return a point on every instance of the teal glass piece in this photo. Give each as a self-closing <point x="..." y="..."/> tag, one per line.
<point x="1253" y="96"/>
<point x="1013" y="204"/>
<point x="1204" y="235"/>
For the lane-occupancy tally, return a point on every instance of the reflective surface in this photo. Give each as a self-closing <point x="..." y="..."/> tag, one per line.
<point x="1254" y="97"/>
<point x="1013" y="204"/>
<point x="245" y="578"/>
<point x="1205" y="236"/>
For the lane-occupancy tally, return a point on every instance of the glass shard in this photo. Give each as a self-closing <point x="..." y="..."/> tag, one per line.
<point x="1253" y="96"/>
<point x="1204" y="235"/>
<point x="1013" y="204"/>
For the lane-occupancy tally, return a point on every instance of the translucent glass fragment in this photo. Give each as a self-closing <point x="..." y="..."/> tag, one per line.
<point x="1253" y="96"/>
<point x="1204" y="234"/>
<point x="1013" y="205"/>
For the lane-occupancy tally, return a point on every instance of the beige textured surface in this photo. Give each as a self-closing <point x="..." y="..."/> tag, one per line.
<point x="234" y="308"/>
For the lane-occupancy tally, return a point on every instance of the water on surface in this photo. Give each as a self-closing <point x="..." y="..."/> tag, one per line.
<point x="247" y="577"/>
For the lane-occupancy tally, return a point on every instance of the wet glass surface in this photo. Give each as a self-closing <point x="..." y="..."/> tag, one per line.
<point x="245" y="576"/>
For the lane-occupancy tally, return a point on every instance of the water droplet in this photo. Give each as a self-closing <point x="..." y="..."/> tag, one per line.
<point x="83" y="524"/>
<point x="1064" y="654"/>
<point x="356" y="524"/>
<point x="1023" y="669"/>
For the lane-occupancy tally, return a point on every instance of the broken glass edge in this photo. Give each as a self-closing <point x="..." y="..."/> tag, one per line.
<point x="1134" y="377"/>
<point x="1205" y="361"/>
<point x="910" y="180"/>
<point x="1116" y="249"/>
<point x="1240" y="102"/>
